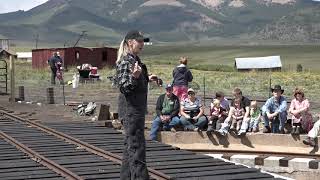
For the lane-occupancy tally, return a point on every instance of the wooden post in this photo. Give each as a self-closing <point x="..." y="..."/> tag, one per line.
<point x="12" y="87"/>
<point x="21" y="93"/>
<point x="50" y="95"/>
<point x="104" y="112"/>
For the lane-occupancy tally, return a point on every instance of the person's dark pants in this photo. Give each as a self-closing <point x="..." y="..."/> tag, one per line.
<point x="278" y="122"/>
<point x="53" y="75"/>
<point x="157" y="124"/>
<point x="216" y="122"/>
<point x="189" y="124"/>
<point x="122" y="107"/>
<point x="134" y="165"/>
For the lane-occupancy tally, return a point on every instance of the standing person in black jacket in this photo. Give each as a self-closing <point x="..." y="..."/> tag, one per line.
<point x="168" y="107"/>
<point x="181" y="77"/>
<point x="53" y="62"/>
<point x="132" y="80"/>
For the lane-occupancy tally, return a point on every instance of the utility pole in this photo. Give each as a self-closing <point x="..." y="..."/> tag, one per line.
<point x="80" y="36"/>
<point x="37" y="39"/>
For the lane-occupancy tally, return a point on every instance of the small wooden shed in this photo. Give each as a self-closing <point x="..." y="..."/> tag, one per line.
<point x="267" y="63"/>
<point x="5" y="54"/>
<point x="74" y="56"/>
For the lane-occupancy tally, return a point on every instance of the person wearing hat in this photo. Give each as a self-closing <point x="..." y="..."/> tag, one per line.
<point x="191" y="110"/>
<point x="274" y="110"/>
<point x="132" y="79"/>
<point x="167" y="109"/>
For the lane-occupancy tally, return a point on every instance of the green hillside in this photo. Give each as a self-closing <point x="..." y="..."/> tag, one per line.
<point x="58" y="21"/>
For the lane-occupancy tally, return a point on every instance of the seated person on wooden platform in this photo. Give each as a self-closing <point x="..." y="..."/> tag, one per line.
<point x="301" y="116"/>
<point x="244" y="103"/>
<point x="167" y="112"/>
<point x="217" y="116"/>
<point x="275" y="110"/>
<point x="191" y="110"/>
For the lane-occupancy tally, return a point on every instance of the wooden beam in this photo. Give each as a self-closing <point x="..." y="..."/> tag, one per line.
<point x="12" y="79"/>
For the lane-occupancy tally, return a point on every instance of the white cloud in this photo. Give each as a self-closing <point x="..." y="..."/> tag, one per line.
<point x="15" y="5"/>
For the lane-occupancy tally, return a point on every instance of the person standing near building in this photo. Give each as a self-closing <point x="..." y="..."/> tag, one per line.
<point x="181" y="77"/>
<point x="132" y="80"/>
<point x="53" y="62"/>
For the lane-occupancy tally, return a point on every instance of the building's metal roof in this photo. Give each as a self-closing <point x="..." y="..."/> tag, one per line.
<point x="258" y="62"/>
<point x="24" y="54"/>
<point x="8" y="51"/>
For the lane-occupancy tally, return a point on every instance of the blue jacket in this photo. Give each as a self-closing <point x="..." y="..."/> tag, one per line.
<point x="272" y="105"/>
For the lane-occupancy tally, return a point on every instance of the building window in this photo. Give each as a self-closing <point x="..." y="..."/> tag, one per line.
<point x="105" y="56"/>
<point x="77" y="55"/>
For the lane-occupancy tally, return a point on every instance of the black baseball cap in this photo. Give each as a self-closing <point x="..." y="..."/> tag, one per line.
<point x="134" y="34"/>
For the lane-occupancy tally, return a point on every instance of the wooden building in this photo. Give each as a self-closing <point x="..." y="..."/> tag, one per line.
<point x="74" y="56"/>
<point x="5" y="54"/>
<point x="268" y="63"/>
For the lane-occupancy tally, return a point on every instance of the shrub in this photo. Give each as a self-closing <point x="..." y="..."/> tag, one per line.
<point x="299" y="68"/>
<point x="213" y="67"/>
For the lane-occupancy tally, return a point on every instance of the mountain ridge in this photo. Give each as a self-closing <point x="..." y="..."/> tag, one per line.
<point x="165" y="20"/>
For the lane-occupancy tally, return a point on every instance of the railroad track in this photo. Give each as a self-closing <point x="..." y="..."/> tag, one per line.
<point x="75" y="150"/>
<point x="228" y="152"/>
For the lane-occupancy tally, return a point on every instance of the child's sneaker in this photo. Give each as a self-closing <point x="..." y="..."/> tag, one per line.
<point x="241" y="133"/>
<point x="221" y="132"/>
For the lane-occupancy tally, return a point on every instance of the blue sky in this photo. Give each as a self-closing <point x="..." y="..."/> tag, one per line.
<point x="15" y="5"/>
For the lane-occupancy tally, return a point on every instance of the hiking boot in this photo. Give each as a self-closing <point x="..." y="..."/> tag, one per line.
<point x="173" y="130"/>
<point x="241" y="133"/>
<point x="282" y="131"/>
<point x="222" y="133"/>
<point x="266" y="129"/>
<point x="255" y="130"/>
<point x="309" y="141"/>
<point x="210" y="129"/>
<point x="293" y="130"/>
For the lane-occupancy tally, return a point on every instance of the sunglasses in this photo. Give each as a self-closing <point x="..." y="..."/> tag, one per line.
<point x="191" y="93"/>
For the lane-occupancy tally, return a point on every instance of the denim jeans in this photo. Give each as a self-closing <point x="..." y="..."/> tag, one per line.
<point x="276" y="127"/>
<point x="254" y="122"/>
<point x="165" y="126"/>
<point x="187" y="123"/>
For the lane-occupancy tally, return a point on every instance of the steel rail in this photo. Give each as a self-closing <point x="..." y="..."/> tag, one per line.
<point x="255" y="152"/>
<point x="88" y="147"/>
<point x="41" y="159"/>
